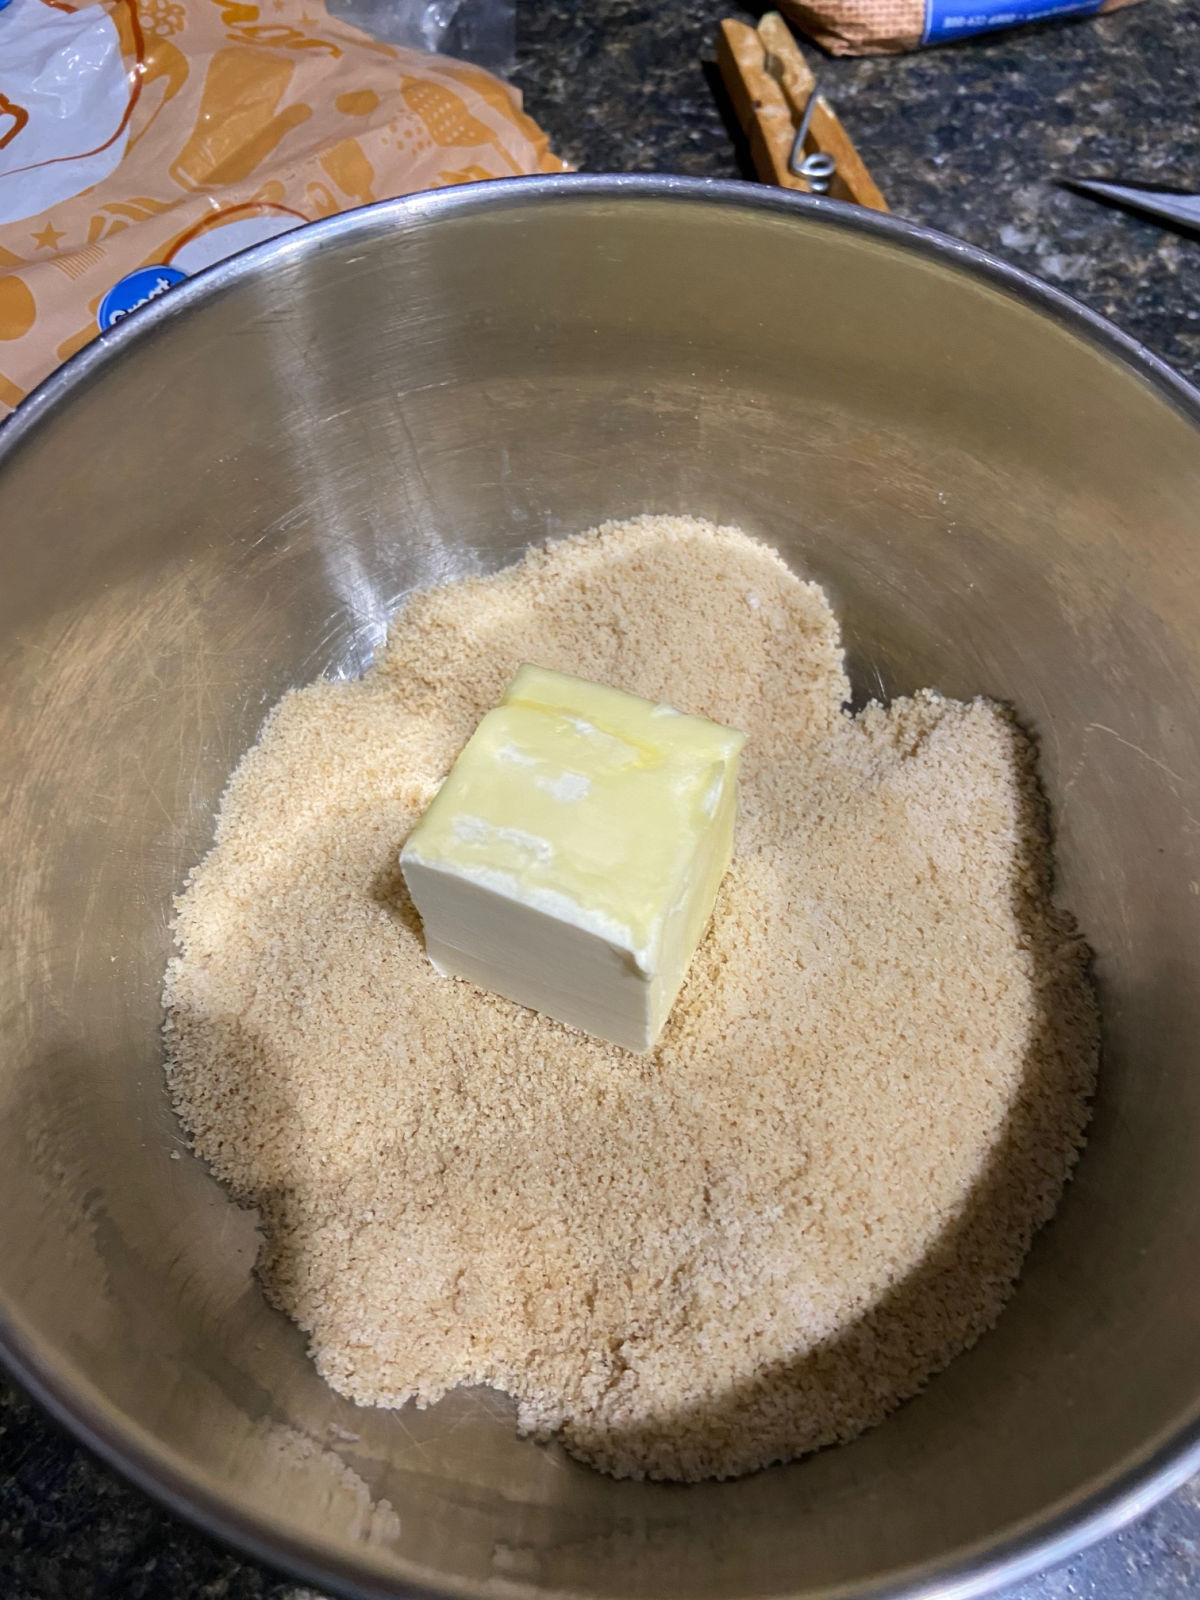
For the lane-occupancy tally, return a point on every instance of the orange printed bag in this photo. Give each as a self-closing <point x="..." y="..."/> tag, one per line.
<point x="141" y="140"/>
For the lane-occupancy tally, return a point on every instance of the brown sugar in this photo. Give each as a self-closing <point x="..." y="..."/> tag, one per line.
<point x="767" y="1233"/>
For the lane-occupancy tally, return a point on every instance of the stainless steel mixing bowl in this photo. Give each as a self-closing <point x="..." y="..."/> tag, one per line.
<point x="229" y="495"/>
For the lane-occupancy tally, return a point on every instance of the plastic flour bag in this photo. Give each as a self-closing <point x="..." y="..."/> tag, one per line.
<point x="141" y="140"/>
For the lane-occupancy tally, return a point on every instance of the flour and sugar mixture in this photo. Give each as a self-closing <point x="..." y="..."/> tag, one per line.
<point x="818" y="1188"/>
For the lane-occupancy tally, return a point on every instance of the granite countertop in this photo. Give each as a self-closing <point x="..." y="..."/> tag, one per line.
<point x="968" y="138"/>
<point x="965" y="138"/>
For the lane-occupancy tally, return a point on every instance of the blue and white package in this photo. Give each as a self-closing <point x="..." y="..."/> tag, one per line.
<point x="890" y="27"/>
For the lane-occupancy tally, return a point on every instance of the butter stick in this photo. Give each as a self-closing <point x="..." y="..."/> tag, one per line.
<point x="572" y="857"/>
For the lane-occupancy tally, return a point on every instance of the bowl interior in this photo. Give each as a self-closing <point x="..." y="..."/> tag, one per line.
<point x="232" y="500"/>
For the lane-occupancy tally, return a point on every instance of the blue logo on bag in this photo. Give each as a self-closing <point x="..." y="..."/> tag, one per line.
<point x="950" y="19"/>
<point x="137" y="289"/>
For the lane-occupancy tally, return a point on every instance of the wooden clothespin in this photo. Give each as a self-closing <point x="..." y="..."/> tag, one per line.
<point x="771" y="84"/>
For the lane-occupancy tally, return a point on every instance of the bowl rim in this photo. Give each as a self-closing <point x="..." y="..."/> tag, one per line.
<point x="1038" y="1542"/>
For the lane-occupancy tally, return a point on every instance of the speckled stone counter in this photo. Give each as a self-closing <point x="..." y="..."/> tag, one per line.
<point x="967" y="138"/>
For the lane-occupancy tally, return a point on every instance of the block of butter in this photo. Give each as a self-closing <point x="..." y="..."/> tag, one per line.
<point x="572" y="856"/>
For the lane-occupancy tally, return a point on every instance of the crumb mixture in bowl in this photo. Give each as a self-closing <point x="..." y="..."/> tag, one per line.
<point x="764" y="1235"/>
